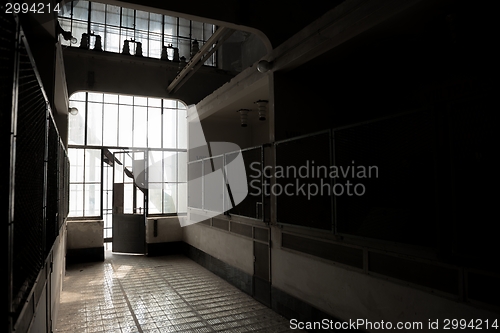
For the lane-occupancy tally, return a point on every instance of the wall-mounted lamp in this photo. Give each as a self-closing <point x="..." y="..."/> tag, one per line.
<point x="262" y="109"/>
<point x="73" y="111"/>
<point x="244" y="116"/>
<point x="264" y="66"/>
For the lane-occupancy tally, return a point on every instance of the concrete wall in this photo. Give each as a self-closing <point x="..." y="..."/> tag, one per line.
<point x="168" y="230"/>
<point x="231" y="249"/>
<point x="85" y="234"/>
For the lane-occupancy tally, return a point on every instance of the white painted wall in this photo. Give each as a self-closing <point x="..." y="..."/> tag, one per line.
<point x="234" y="250"/>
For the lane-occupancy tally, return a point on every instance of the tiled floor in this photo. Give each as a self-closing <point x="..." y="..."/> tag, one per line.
<point x="157" y="294"/>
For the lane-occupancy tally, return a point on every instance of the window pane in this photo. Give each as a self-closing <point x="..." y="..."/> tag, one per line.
<point x="155" y="21"/>
<point x="182" y="166"/>
<point x="127" y="17"/>
<point x="170" y="28"/>
<point x="155" y="167"/>
<point x="154" y="46"/>
<point x="140" y="126"/>
<point x="207" y="31"/>
<point x="76" y="165"/>
<point x="113" y="15"/>
<point x="97" y="12"/>
<point x="156" y="102"/>
<point x="169" y="198"/>
<point x="94" y="124"/>
<point x="182" y="198"/>
<point x="170" y="166"/>
<point x="112" y="40"/>
<point x="76" y="133"/>
<point x="182" y="129"/>
<point x="127" y="34"/>
<point x="125" y="127"/>
<point x="184" y="46"/>
<point x="78" y="28"/>
<point x="142" y="101"/>
<point x="75" y="200"/>
<point x="125" y="99"/>
<point x="141" y="20"/>
<point x="197" y="30"/>
<point x="111" y="98"/>
<point x="92" y="165"/>
<point x="97" y="30"/>
<point x="95" y="97"/>
<point x="66" y="26"/>
<point x="66" y="10"/>
<point x="184" y="27"/>
<point x="79" y="96"/>
<point x="110" y="130"/>
<point x="154" y="127"/>
<point x="169" y="128"/>
<point x="92" y="200"/>
<point x="140" y="37"/>
<point x="155" y="199"/>
<point x="80" y="10"/>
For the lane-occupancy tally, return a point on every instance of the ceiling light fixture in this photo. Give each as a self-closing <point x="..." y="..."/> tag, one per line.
<point x="262" y="108"/>
<point x="73" y="111"/>
<point x="264" y="66"/>
<point x="244" y="117"/>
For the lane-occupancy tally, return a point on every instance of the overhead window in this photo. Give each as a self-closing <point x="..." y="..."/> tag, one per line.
<point x="115" y="25"/>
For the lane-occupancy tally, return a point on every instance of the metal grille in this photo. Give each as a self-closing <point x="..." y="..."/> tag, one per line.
<point x="52" y="185"/>
<point x="29" y="181"/>
<point x="398" y="203"/>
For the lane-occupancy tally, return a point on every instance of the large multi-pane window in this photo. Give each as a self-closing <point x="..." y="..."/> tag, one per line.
<point x="115" y="25"/>
<point x="110" y="123"/>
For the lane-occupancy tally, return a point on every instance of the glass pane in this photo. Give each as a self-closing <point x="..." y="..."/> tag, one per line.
<point x="141" y="20"/>
<point x="127" y="34"/>
<point x="155" y="21"/>
<point x="110" y="131"/>
<point x="139" y="202"/>
<point x="142" y="38"/>
<point x="112" y="39"/>
<point x="80" y="10"/>
<point x="126" y="99"/>
<point x="77" y="29"/>
<point x="184" y="27"/>
<point x="97" y="30"/>
<point x="197" y="30"/>
<point x="111" y="98"/>
<point x="140" y="126"/>
<point x="94" y="124"/>
<point x="127" y="17"/>
<point x="170" y="166"/>
<point x="142" y="101"/>
<point x="92" y="165"/>
<point x="169" y="103"/>
<point x="207" y="31"/>
<point x="79" y="96"/>
<point x="128" y="198"/>
<point x="182" y="166"/>
<point x="182" y="129"/>
<point x="156" y="102"/>
<point x="184" y="46"/>
<point x="92" y="200"/>
<point x="182" y="198"/>
<point x="169" y="198"/>
<point x="66" y="26"/>
<point x="125" y="126"/>
<point x="95" y="97"/>
<point x="113" y="15"/>
<point x="170" y="28"/>
<point x="76" y="132"/>
<point x="66" y="10"/>
<point x="75" y="200"/>
<point x="154" y="127"/>
<point x="169" y="128"/>
<point x="97" y="12"/>
<point x="154" y="46"/>
<point x="76" y="165"/>
<point x="155" y="167"/>
<point x="155" y="199"/>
